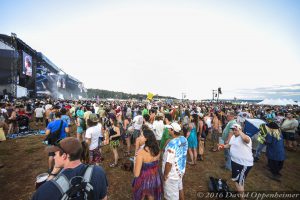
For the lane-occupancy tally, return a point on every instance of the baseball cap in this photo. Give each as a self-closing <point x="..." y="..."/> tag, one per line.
<point x="175" y="126"/>
<point x="235" y="126"/>
<point x="67" y="145"/>
<point x="93" y="117"/>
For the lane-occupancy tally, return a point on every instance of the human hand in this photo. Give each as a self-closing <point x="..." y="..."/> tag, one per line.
<point x="56" y="170"/>
<point x="220" y="146"/>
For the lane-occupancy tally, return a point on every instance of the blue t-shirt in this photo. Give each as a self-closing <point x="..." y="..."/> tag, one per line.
<point x="48" y="191"/>
<point x="54" y="126"/>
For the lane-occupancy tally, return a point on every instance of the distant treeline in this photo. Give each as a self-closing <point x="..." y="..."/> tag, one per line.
<point x="106" y="94"/>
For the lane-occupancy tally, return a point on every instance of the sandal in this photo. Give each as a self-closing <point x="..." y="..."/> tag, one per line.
<point x="113" y="165"/>
<point x="190" y="163"/>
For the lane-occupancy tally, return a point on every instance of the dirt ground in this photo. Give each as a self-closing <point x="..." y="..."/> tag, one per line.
<point x="25" y="158"/>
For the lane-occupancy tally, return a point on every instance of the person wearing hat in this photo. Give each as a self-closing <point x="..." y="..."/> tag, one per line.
<point x="275" y="150"/>
<point x="67" y="157"/>
<point x="92" y="136"/>
<point x="240" y="146"/>
<point x="174" y="163"/>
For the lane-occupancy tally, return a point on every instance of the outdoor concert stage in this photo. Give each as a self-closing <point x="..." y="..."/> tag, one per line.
<point x="26" y="72"/>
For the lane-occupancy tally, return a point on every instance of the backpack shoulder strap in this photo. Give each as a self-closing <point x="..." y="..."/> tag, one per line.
<point x="62" y="183"/>
<point x="87" y="178"/>
<point x="88" y="173"/>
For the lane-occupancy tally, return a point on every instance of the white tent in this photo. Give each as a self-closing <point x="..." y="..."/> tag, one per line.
<point x="277" y="102"/>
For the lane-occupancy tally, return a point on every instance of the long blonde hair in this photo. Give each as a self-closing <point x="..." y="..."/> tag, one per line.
<point x="274" y="132"/>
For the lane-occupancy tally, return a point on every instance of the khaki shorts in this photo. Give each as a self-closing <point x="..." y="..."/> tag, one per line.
<point x="171" y="189"/>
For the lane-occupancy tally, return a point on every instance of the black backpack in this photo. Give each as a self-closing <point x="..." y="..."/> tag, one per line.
<point x="78" y="187"/>
<point x="219" y="187"/>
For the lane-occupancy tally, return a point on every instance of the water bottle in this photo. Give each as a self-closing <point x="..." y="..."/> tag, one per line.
<point x="220" y="184"/>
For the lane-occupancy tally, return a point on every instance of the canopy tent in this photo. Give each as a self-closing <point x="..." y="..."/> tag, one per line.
<point x="277" y="102"/>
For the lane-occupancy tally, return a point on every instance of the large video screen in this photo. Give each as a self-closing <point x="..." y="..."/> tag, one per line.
<point x="61" y="81"/>
<point x="45" y="81"/>
<point x="27" y="64"/>
<point x="81" y="87"/>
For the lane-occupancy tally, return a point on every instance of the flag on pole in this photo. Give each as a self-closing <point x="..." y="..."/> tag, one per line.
<point x="150" y="96"/>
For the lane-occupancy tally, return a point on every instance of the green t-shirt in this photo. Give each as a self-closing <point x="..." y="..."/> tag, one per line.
<point x="145" y="111"/>
<point x="166" y="136"/>
<point x="227" y="129"/>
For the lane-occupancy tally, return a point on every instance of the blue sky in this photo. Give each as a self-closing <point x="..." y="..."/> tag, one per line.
<point x="237" y="45"/>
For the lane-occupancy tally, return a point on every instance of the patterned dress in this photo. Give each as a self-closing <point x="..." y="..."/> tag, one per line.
<point x="149" y="182"/>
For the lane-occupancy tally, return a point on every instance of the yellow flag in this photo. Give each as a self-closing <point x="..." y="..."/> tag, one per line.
<point x="150" y="96"/>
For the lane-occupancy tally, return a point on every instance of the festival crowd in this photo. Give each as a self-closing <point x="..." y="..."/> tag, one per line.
<point x="159" y="138"/>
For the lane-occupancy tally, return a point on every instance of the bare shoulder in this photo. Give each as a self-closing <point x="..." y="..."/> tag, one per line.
<point x="141" y="152"/>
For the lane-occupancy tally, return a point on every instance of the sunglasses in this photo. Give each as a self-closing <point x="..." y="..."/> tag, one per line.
<point x="57" y="144"/>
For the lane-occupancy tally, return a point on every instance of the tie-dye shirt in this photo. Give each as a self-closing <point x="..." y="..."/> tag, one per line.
<point x="175" y="154"/>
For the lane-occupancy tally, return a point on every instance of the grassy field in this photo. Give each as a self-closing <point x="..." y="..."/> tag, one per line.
<point x="25" y="158"/>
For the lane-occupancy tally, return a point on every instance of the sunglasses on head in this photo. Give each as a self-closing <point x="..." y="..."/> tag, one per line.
<point x="57" y="144"/>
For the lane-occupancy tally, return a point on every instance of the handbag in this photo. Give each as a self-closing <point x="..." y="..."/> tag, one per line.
<point x="218" y="186"/>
